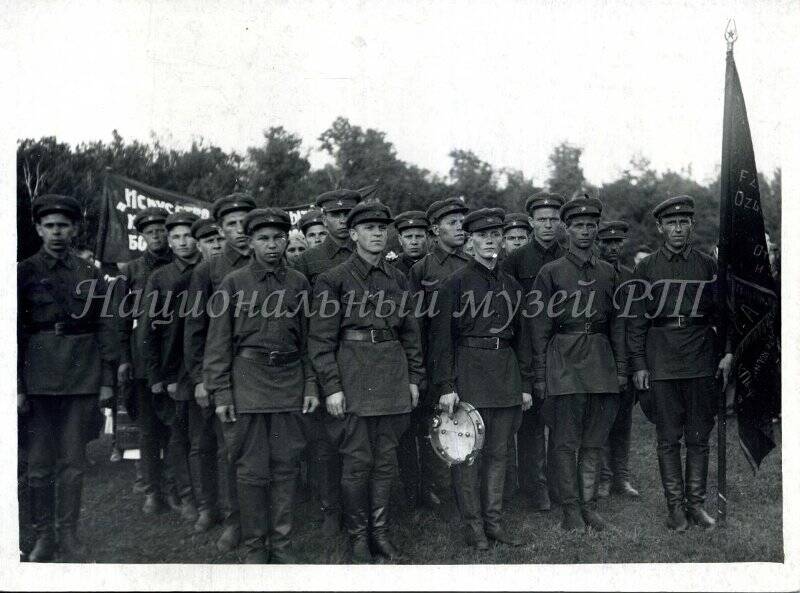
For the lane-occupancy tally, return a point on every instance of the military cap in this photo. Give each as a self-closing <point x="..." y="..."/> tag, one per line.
<point x="154" y="215"/>
<point x="204" y="227"/>
<point x="411" y="219"/>
<point x="337" y="200"/>
<point x="182" y="217"/>
<point x="261" y="217"/>
<point x="55" y="204"/>
<point x="612" y="229"/>
<point x="233" y="203"/>
<point x="516" y="220"/>
<point x="581" y="206"/>
<point x="310" y="218"/>
<point x="543" y="200"/>
<point x="483" y="219"/>
<point x="442" y="208"/>
<point x="369" y="212"/>
<point x="675" y="205"/>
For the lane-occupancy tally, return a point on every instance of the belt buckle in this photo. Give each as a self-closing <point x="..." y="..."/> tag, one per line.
<point x="681" y="321"/>
<point x="59" y="328"/>
<point x="496" y="342"/>
<point x="272" y="356"/>
<point x="587" y="327"/>
<point x="372" y="333"/>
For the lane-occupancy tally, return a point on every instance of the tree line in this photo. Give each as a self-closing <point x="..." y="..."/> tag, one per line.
<point x="278" y="173"/>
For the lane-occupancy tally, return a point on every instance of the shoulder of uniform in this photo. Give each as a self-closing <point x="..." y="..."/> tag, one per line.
<point x="296" y="275"/>
<point x="604" y="265"/>
<point x="513" y="282"/>
<point x="704" y="257"/>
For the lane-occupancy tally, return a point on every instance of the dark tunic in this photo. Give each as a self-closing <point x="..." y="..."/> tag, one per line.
<point x="266" y="313"/>
<point x="133" y="330"/>
<point x="578" y="362"/>
<point x="478" y="302"/>
<point x="524" y="263"/>
<point x="373" y="376"/>
<point x="405" y="263"/>
<point x="166" y="305"/>
<point x="667" y="352"/>
<point x="206" y="278"/>
<point x="82" y="358"/>
<point x="322" y="258"/>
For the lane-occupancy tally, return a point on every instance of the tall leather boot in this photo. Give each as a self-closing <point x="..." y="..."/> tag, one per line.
<point x="540" y="496"/>
<point x="254" y="520"/>
<point x="355" y="506"/>
<point x="380" y="495"/>
<point x="42" y="512"/>
<point x="329" y="475"/>
<point x="588" y="472"/>
<point x="204" y="483"/>
<point x="467" y="485"/>
<point x="669" y="463"/>
<point x="696" y="476"/>
<point x="282" y="496"/>
<point x="492" y="502"/>
<point x="566" y="482"/>
<point x="605" y="474"/>
<point x="68" y="508"/>
<point x="511" y="480"/>
<point x="620" y="446"/>
<point x="437" y="488"/>
<point x="229" y="501"/>
<point x="551" y="471"/>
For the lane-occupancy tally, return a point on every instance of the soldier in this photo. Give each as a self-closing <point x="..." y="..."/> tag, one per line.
<point x="210" y="241"/>
<point x="673" y="351"/>
<point x="366" y="354"/>
<point x="614" y="471"/>
<point x="579" y="360"/>
<point x="256" y="366"/>
<point x="482" y="356"/>
<point x="516" y="232"/>
<point x="412" y="232"/>
<point x="166" y="300"/>
<point x="229" y="212"/>
<point x="446" y="218"/>
<point x="524" y="265"/>
<point x="152" y="417"/>
<point x="335" y="249"/>
<point x="312" y="227"/>
<point x="67" y="351"/>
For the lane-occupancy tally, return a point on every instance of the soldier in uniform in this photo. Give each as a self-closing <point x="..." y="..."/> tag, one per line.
<point x="67" y="351"/>
<point x="297" y="245"/>
<point x="335" y="249"/>
<point x="366" y="355"/>
<point x="312" y="227"/>
<point x="673" y="351"/>
<point x="210" y="241"/>
<point x="481" y="354"/>
<point x="614" y="471"/>
<point x="256" y="366"/>
<point x="446" y="218"/>
<point x="524" y="265"/>
<point x="229" y="212"/>
<point x="152" y="417"/>
<point x="579" y="360"/>
<point x="412" y="233"/>
<point x="516" y="232"/>
<point x="166" y="296"/>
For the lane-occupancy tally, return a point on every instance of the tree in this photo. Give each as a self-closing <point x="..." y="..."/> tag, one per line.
<point x="566" y="174"/>
<point x="277" y="171"/>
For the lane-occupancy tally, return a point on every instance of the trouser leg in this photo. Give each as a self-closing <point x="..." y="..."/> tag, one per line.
<point x="178" y="450"/>
<point x="436" y="482"/>
<point x="468" y="491"/>
<point x="286" y="446"/>
<point x="408" y="458"/>
<point x="202" y="457"/>
<point x="600" y="411"/>
<point x="701" y="396"/>
<point x="500" y="423"/>
<point x="42" y="458"/>
<point x="532" y="451"/>
<point x="226" y="479"/>
<point x="149" y="438"/>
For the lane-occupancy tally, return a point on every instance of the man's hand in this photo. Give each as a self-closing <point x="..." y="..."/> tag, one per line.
<point x="157" y="388"/>
<point x="172" y="388"/>
<point x="448" y="402"/>
<point x="724" y="369"/>
<point x="334" y="403"/>
<point x="226" y="414"/>
<point x="22" y="404"/>
<point x="310" y="403"/>
<point x="527" y="401"/>
<point x="641" y="380"/>
<point x="106" y="393"/>
<point x="201" y="395"/>
<point x="622" y="381"/>
<point x="540" y="390"/>
<point x="124" y="372"/>
<point x="414" y="394"/>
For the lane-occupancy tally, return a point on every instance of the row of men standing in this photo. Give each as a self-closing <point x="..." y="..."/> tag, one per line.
<point x="354" y="444"/>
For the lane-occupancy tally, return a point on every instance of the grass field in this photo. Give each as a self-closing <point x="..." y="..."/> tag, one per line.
<point x="116" y="531"/>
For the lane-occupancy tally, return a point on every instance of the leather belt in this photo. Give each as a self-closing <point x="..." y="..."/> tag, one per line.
<point x="495" y="343"/>
<point x="369" y="335"/>
<point x="64" y="328"/>
<point x="583" y="327"/>
<point x="273" y="359"/>
<point x="680" y="321"/>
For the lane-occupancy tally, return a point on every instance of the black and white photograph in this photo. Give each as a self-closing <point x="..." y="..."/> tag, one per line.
<point x="419" y="295"/>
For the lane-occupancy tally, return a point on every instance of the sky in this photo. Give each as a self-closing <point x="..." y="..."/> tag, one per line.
<point x="507" y="80"/>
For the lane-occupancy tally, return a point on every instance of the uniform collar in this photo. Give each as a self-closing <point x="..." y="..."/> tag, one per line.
<point x="484" y="271"/>
<point x="331" y="247"/>
<point x="670" y="255"/>
<point x="363" y="267"/>
<point x="186" y="263"/>
<point x="537" y="245"/>
<point x="260" y="271"/>
<point x="154" y="259"/>
<point x="579" y="261"/>
<point x="442" y="255"/>
<point x="408" y="260"/>
<point x="51" y="262"/>
<point x="232" y="255"/>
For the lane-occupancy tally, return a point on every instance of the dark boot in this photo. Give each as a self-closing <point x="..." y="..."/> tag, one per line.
<point x="355" y="504"/>
<point x="588" y="468"/>
<point x="669" y="463"/>
<point x="380" y="495"/>
<point x="282" y="498"/>
<point x="696" y="476"/>
<point x="565" y="479"/>
<point x="230" y="536"/>
<point x="254" y="519"/>
<point x="68" y="508"/>
<point x="206" y="519"/>
<point x="203" y="467"/>
<point x="551" y="470"/>
<point x="437" y="490"/>
<point x="492" y="503"/>
<point x="603" y="489"/>
<point x="625" y="489"/>
<point x="329" y="476"/>
<point x="469" y="501"/>
<point x="42" y="512"/>
<point x="153" y="504"/>
<point x="510" y="485"/>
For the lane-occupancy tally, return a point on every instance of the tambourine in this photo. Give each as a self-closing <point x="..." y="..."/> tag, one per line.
<point x="457" y="440"/>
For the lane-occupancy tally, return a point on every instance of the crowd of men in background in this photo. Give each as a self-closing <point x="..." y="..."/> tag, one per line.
<point x="230" y="400"/>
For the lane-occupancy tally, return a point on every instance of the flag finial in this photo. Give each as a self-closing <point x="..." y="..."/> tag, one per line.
<point x="731" y="34"/>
